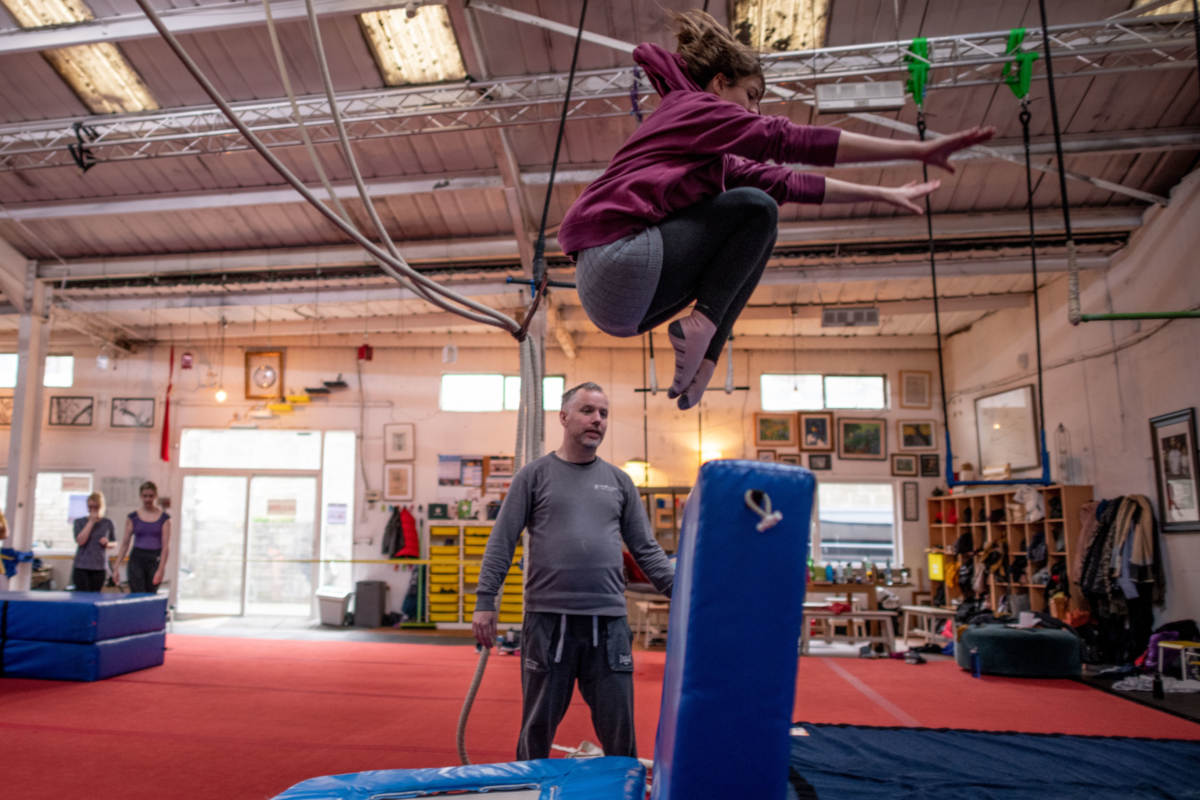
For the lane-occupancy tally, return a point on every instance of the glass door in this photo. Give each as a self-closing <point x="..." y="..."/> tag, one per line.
<point x="212" y="537"/>
<point x="281" y="545"/>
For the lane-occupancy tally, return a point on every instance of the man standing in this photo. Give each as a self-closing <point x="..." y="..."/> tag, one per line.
<point x="578" y="509"/>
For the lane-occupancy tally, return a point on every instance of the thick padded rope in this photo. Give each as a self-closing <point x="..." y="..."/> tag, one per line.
<point x="478" y="312"/>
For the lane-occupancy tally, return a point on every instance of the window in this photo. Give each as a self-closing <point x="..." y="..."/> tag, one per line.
<point x="216" y="448"/>
<point x="553" y="387"/>
<point x="791" y="392"/>
<point x="60" y="371"/>
<point x="854" y="391"/>
<point x="494" y="392"/>
<point x="58" y="499"/>
<point x="815" y="392"/>
<point x="855" y="522"/>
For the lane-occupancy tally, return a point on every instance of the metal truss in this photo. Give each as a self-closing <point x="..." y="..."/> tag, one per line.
<point x="1104" y="47"/>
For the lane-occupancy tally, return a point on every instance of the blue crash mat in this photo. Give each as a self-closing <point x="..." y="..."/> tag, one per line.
<point x="79" y="616"/>
<point x="730" y="676"/>
<point x="839" y="761"/>
<point x="606" y="778"/>
<point x="77" y="661"/>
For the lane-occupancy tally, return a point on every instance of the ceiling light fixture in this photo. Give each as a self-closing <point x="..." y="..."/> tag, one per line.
<point x="413" y="45"/>
<point x="99" y="73"/>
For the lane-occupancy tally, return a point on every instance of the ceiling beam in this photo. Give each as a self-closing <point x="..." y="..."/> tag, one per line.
<point x="490" y="338"/>
<point x="462" y="252"/>
<point x="773" y="276"/>
<point x="197" y="19"/>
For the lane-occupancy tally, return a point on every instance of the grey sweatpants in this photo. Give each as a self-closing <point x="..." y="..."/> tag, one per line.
<point x="556" y="651"/>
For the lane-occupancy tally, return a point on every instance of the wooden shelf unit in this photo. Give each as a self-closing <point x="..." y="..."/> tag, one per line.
<point x="1063" y="527"/>
<point x="455" y="555"/>
<point x="664" y="508"/>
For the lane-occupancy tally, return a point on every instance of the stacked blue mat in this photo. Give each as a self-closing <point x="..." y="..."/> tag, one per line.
<point x="80" y="636"/>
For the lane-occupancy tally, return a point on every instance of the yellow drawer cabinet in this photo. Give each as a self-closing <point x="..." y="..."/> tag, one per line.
<point x="455" y="552"/>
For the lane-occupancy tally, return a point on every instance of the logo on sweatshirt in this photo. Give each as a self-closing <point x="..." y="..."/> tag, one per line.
<point x="600" y="487"/>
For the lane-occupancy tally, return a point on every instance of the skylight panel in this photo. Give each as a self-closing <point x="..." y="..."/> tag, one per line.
<point x="414" y="46"/>
<point x="774" y="26"/>
<point x="98" y="73"/>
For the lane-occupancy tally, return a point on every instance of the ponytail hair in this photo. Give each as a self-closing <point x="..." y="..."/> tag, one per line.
<point x="710" y="49"/>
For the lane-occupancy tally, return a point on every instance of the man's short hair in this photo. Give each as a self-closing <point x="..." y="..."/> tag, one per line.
<point x="586" y="385"/>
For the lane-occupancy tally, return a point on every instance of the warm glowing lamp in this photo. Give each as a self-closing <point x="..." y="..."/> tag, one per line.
<point x="221" y="395"/>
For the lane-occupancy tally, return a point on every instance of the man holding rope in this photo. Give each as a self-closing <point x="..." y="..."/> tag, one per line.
<point x="578" y="509"/>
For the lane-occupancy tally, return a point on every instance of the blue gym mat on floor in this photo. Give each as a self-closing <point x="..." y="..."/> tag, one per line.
<point x="81" y="661"/>
<point x="609" y="778"/>
<point x="839" y="761"/>
<point x="79" y="616"/>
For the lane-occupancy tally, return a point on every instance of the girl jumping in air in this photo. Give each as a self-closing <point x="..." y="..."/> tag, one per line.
<point x="687" y="211"/>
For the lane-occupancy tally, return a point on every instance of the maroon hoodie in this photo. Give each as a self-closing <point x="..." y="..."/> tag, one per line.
<point x="694" y="146"/>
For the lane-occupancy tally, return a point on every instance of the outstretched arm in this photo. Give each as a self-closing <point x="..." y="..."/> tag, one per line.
<point x="859" y="148"/>
<point x="907" y="197"/>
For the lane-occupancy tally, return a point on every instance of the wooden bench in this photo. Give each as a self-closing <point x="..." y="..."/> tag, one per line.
<point x="872" y="621"/>
<point x="928" y="621"/>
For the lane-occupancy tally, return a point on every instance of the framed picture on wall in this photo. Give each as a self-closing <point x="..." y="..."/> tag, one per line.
<point x="790" y="458"/>
<point x="904" y="464"/>
<point x="864" y="439"/>
<point x="398" y="441"/>
<point x="1173" y="437"/>
<point x="930" y="465"/>
<point x="75" y="412"/>
<point x="397" y="482"/>
<point x="766" y="455"/>
<point x="816" y="431"/>
<point x="911" y="502"/>
<point x="264" y="374"/>
<point x="6" y="411"/>
<point x="820" y="461"/>
<point x="916" y="434"/>
<point x="915" y="389"/>
<point x="131" y="412"/>
<point x="774" y="430"/>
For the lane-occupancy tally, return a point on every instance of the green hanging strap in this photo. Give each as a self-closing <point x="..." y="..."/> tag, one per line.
<point x="917" y="61"/>
<point x="1018" y="72"/>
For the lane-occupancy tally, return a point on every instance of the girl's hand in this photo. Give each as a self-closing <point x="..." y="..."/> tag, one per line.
<point x="906" y="196"/>
<point x="158" y="576"/>
<point x="938" y="151"/>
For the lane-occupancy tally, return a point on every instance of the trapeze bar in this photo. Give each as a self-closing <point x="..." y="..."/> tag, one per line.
<point x="528" y="282"/>
<point x="1141" y="315"/>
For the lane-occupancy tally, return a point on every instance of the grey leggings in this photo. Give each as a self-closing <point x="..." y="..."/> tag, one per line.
<point x="714" y="253"/>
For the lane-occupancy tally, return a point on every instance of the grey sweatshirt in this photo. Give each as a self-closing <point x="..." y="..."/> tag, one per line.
<point x="577" y="516"/>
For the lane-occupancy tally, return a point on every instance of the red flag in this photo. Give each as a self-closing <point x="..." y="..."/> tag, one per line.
<point x="166" y="436"/>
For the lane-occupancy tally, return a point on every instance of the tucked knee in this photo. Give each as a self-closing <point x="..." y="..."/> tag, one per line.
<point x="758" y="205"/>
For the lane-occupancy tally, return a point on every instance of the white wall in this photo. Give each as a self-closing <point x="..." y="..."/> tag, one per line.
<point x="1104" y="381"/>
<point x="402" y="385"/>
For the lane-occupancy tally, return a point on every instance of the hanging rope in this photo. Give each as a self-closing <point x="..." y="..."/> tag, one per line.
<point x="539" y="248"/>
<point x="1037" y="311"/>
<point x="392" y="266"/>
<point x="1074" y="315"/>
<point x="937" y="317"/>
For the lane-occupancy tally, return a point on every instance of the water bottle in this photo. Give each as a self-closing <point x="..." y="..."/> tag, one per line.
<point x="829" y="573"/>
<point x="1158" y="686"/>
<point x="975" y="668"/>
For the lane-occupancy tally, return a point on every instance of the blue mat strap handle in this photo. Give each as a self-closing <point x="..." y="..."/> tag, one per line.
<point x="767" y="518"/>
